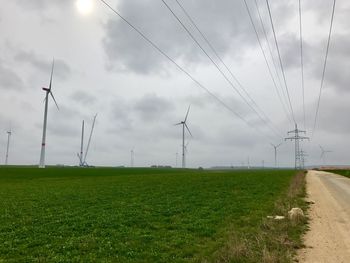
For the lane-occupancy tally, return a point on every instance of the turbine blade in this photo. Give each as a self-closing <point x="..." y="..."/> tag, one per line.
<point x="188" y="110"/>
<point x="54" y="100"/>
<point x="188" y="129"/>
<point x="178" y="124"/>
<point x="53" y="65"/>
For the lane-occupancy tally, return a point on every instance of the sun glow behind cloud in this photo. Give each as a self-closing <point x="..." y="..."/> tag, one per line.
<point x="85" y="7"/>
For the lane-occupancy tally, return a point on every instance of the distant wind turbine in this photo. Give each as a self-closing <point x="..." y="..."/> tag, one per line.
<point x="184" y="125"/>
<point x="323" y="153"/>
<point x="89" y="141"/>
<point x="43" y="142"/>
<point x="275" y="148"/>
<point x="9" y="133"/>
<point x="80" y="155"/>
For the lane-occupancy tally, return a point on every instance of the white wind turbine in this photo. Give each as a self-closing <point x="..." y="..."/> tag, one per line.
<point x="275" y="149"/>
<point x="9" y="133"/>
<point x="80" y="155"/>
<point x="89" y="141"/>
<point x="184" y="124"/>
<point x="43" y="142"/>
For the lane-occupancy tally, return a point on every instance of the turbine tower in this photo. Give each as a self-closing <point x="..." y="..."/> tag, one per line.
<point x="80" y="155"/>
<point x="275" y="148"/>
<point x="184" y="125"/>
<point x="9" y="133"/>
<point x="48" y="92"/>
<point x="323" y="153"/>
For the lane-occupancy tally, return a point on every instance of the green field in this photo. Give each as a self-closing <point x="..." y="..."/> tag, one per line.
<point x="142" y="215"/>
<point x="341" y="172"/>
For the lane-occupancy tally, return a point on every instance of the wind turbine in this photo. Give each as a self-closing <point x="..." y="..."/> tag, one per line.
<point x="323" y="152"/>
<point x="88" y="145"/>
<point x="9" y="133"/>
<point x="80" y="155"/>
<point x="43" y="142"/>
<point x="184" y="125"/>
<point x="275" y="148"/>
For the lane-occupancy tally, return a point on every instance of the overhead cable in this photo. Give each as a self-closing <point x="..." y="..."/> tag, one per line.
<point x="324" y="69"/>
<point x="224" y="64"/>
<point x="218" y="68"/>
<point x="265" y="58"/>
<point x="155" y="46"/>
<point x="280" y="60"/>
<point x="302" y="62"/>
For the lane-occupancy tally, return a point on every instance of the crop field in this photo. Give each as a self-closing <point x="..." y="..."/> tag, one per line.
<point x="341" y="172"/>
<point x="137" y="215"/>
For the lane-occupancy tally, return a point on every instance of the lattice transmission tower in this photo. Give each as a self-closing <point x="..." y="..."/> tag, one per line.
<point x="297" y="138"/>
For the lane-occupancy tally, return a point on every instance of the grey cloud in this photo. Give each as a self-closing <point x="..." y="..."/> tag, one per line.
<point x="290" y="48"/>
<point x="333" y="114"/>
<point x="9" y="79"/>
<point x="83" y="97"/>
<point x="152" y="107"/>
<point x="41" y="4"/>
<point x="337" y="76"/>
<point x="120" y="116"/>
<point x="63" y="122"/>
<point x="337" y="73"/>
<point x="62" y="70"/>
<point x="222" y="23"/>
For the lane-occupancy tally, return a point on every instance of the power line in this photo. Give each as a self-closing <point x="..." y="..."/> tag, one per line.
<point x="178" y="66"/>
<point x="324" y="68"/>
<point x="217" y="66"/>
<point x="302" y="61"/>
<point x="275" y="67"/>
<point x="280" y="59"/>
<point x="265" y="57"/>
<point x="222" y="61"/>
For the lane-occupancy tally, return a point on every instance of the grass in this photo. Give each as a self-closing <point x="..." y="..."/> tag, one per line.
<point x="146" y="215"/>
<point x="345" y="173"/>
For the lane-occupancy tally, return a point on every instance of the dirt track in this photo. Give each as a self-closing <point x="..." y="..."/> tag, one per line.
<point x="329" y="237"/>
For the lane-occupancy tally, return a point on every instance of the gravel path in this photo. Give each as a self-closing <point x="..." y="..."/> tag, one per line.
<point x="329" y="237"/>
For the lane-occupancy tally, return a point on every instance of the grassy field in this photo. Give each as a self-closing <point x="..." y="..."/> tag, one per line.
<point x="145" y="215"/>
<point x="341" y="172"/>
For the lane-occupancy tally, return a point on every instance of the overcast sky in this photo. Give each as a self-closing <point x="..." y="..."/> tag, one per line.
<point x="104" y="67"/>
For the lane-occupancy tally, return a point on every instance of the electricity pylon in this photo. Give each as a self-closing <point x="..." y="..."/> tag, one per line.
<point x="303" y="154"/>
<point x="297" y="138"/>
